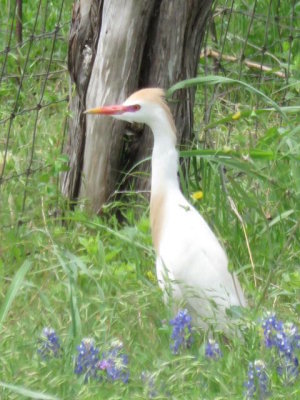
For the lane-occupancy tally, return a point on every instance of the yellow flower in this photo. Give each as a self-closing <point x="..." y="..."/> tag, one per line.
<point x="150" y="276"/>
<point x="197" y="195"/>
<point x="236" y="116"/>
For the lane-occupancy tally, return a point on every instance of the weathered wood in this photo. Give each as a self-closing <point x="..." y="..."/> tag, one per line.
<point x="141" y="44"/>
<point x="85" y="27"/>
<point x="115" y="74"/>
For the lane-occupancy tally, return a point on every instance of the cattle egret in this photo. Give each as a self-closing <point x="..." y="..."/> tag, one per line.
<point x="191" y="264"/>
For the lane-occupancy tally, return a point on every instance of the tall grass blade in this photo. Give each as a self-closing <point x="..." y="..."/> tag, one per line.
<point x="277" y="219"/>
<point x="27" y="392"/>
<point x="76" y="321"/>
<point x="255" y="154"/>
<point x="71" y="270"/>
<point x="248" y="114"/>
<point x="13" y="290"/>
<point x="215" y="80"/>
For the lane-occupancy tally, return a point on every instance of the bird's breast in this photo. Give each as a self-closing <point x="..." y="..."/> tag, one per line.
<point x="186" y="236"/>
<point x="157" y="216"/>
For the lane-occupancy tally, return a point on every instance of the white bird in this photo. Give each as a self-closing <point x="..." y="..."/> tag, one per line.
<point x="191" y="264"/>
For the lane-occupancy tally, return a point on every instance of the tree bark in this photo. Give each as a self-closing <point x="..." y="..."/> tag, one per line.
<point x="116" y="47"/>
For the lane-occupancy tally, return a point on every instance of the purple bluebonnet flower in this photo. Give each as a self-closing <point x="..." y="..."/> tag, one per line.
<point x="271" y="326"/>
<point x="49" y="345"/>
<point x="284" y="337"/>
<point x="288" y="344"/>
<point x="182" y="331"/>
<point x="212" y="350"/>
<point x="115" y="363"/>
<point x="288" y="369"/>
<point x="258" y="380"/>
<point x="87" y="359"/>
<point x="292" y="337"/>
<point x="149" y="382"/>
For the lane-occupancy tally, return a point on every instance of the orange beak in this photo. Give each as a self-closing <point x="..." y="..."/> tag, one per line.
<point x="109" y="110"/>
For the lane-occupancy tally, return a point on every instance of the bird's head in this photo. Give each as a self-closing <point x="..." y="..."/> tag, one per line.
<point x="144" y="106"/>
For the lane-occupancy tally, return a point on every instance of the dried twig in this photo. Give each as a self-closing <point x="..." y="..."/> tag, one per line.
<point x="239" y="217"/>
<point x="250" y="64"/>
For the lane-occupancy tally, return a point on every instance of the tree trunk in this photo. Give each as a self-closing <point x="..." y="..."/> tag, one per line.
<point x="116" y="47"/>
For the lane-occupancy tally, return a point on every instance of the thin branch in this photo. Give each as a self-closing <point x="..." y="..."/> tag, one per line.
<point x="250" y="64"/>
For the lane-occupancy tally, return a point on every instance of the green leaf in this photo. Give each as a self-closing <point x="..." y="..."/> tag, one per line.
<point x="27" y="392"/>
<point x="255" y="154"/>
<point x="81" y="265"/>
<point x="250" y="113"/>
<point x="98" y="225"/>
<point x="13" y="289"/>
<point x="278" y="219"/>
<point x="215" y="80"/>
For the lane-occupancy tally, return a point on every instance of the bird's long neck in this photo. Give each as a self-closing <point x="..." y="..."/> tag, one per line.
<point x="164" y="175"/>
<point x="164" y="157"/>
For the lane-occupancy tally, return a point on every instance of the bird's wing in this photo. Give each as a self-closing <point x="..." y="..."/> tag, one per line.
<point x="193" y="254"/>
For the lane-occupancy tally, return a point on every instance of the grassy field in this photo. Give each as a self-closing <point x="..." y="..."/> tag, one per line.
<point x="93" y="277"/>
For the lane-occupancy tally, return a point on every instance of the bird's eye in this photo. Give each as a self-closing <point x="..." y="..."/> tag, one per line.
<point x="133" y="108"/>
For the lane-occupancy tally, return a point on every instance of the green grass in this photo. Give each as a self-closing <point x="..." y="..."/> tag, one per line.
<point x="89" y="276"/>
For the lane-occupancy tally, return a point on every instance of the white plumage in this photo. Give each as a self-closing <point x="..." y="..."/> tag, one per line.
<point x="191" y="264"/>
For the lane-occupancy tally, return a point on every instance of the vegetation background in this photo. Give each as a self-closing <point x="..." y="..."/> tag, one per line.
<point x="88" y="276"/>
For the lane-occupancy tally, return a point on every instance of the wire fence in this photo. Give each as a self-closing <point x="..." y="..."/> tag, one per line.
<point x="34" y="96"/>
<point x="256" y="43"/>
